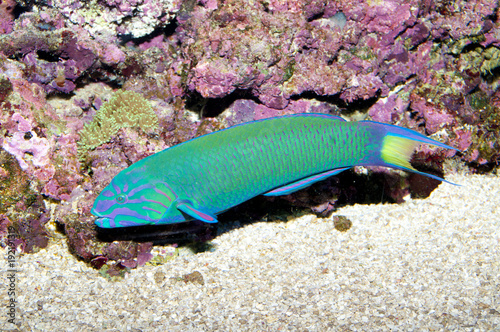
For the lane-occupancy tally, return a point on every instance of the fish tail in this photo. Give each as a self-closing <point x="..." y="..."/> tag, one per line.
<point x="398" y="145"/>
<point x="397" y="151"/>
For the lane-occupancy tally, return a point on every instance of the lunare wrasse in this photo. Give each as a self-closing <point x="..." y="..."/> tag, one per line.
<point x="205" y="176"/>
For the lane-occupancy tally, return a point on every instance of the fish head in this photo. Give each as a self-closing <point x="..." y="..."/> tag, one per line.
<point x="133" y="199"/>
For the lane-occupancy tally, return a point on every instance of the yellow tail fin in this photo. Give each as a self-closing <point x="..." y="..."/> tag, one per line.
<point x="397" y="151"/>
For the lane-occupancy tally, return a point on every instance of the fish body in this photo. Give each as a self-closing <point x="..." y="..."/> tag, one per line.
<point x="205" y="176"/>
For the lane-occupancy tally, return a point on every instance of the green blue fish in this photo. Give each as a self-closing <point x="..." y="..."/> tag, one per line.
<point x="208" y="175"/>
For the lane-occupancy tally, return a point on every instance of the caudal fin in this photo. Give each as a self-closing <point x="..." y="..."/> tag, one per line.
<point x="398" y="145"/>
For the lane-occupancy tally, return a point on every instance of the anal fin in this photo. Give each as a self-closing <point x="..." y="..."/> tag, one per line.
<point x="303" y="183"/>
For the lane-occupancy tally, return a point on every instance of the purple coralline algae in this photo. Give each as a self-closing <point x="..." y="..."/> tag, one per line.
<point x="244" y="110"/>
<point x="200" y="66"/>
<point x="6" y="15"/>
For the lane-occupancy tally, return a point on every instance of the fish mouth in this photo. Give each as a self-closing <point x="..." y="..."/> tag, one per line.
<point x="103" y="222"/>
<point x="95" y="213"/>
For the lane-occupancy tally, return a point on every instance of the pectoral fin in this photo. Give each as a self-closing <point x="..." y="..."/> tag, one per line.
<point x="188" y="208"/>
<point x="303" y="183"/>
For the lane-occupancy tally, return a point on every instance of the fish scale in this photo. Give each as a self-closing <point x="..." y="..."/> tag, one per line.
<point x="273" y="151"/>
<point x="203" y="177"/>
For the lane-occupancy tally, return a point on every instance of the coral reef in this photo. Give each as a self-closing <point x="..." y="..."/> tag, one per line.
<point x="180" y="69"/>
<point x="21" y="206"/>
<point x="6" y="15"/>
<point x="124" y="109"/>
<point x="244" y="110"/>
<point x="110" y="18"/>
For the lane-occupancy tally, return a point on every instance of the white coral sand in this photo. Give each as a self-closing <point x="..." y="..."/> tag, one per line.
<point x="431" y="264"/>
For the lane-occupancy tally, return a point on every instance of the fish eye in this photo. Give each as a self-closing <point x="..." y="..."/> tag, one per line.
<point x="122" y="198"/>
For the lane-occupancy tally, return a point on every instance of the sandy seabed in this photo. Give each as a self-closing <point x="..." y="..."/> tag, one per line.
<point x="430" y="264"/>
